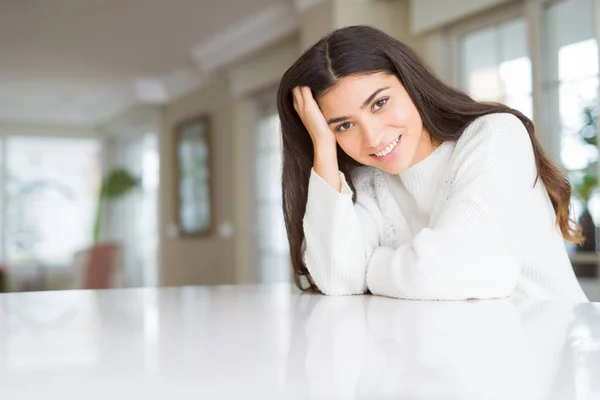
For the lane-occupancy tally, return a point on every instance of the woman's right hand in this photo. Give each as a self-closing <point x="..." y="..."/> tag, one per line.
<point x="313" y="119"/>
<point x="324" y="143"/>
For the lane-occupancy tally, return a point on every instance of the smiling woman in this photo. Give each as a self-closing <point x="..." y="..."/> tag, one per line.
<point x="387" y="116"/>
<point x="397" y="184"/>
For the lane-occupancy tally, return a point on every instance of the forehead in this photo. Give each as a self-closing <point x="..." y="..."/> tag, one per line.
<point x="350" y="92"/>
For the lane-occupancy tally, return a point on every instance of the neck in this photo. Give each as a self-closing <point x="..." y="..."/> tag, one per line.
<point x="422" y="180"/>
<point x="427" y="145"/>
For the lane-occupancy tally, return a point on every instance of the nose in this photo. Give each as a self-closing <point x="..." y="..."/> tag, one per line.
<point x="371" y="136"/>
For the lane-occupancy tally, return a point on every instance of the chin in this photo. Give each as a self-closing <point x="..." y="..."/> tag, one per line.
<point x="394" y="170"/>
<point x="395" y="167"/>
<point x="390" y="168"/>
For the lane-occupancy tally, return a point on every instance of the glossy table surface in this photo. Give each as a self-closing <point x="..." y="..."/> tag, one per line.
<point x="271" y="342"/>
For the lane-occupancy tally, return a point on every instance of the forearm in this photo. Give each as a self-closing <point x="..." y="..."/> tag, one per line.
<point x="336" y="249"/>
<point x="326" y="165"/>
<point x="464" y="254"/>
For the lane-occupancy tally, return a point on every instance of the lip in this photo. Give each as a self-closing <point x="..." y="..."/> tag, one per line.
<point x="391" y="155"/>
<point x="384" y="146"/>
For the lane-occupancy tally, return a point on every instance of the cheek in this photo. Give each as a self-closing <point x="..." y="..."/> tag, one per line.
<point x="350" y="144"/>
<point x="398" y="116"/>
<point x="414" y="119"/>
<point x="409" y="119"/>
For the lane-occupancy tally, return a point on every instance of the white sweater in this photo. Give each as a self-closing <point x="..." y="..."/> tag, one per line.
<point x="466" y="222"/>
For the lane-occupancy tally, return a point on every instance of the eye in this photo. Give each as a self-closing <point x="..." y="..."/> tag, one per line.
<point x="343" y="127"/>
<point x="380" y="103"/>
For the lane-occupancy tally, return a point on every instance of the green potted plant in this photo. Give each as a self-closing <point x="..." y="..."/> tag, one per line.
<point x="117" y="184"/>
<point x="585" y="180"/>
<point x="584" y="183"/>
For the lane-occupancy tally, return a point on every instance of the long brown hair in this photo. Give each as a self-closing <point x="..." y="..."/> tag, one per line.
<point x="445" y="113"/>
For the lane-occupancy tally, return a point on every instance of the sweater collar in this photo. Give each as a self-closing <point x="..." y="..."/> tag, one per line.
<point x="422" y="179"/>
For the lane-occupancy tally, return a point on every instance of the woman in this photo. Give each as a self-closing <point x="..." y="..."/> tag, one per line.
<point x="397" y="184"/>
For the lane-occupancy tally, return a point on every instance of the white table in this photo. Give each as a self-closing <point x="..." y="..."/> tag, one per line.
<point x="269" y="342"/>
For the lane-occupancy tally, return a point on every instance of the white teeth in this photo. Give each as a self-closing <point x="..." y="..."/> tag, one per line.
<point x="389" y="148"/>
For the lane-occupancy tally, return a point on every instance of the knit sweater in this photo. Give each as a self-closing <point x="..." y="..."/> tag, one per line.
<point x="466" y="222"/>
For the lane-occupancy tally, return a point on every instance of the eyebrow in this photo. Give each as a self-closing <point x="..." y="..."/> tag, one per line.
<point x="366" y="103"/>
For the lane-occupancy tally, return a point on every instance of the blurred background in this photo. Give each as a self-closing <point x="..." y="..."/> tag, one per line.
<point x="140" y="144"/>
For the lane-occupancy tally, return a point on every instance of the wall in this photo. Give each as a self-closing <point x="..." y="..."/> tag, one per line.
<point x="391" y="16"/>
<point x="256" y="78"/>
<point x="230" y="101"/>
<point x="316" y="22"/>
<point x="45" y="130"/>
<point x="264" y="69"/>
<point x="206" y="260"/>
<point x="431" y="14"/>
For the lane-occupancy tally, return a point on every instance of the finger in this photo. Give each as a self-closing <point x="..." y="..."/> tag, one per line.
<point x="297" y="98"/>
<point x="306" y="95"/>
<point x="308" y="99"/>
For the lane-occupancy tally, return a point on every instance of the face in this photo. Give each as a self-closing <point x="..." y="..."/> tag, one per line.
<point x="375" y="122"/>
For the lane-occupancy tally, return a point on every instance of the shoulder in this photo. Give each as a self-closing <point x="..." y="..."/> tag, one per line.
<point x="503" y="130"/>
<point x="492" y="136"/>
<point x="506" y="124"/>
<point x="498" y="141"/>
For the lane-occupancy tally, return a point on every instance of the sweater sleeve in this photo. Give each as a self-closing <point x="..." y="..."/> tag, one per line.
<point x="339" y="237"/>
<point x="467" y="251"/>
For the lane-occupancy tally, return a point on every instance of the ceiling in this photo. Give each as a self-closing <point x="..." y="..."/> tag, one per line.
<point x="78" y="62"/>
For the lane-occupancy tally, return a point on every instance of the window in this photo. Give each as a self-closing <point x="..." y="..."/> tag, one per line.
<point x="559" y="77"/>
<point x="273" y="250"/>
<point x="570" y="84"/>
<point x="133" y="219"/>
<point x="51" y="187"/>
<point x="495" y="65"/>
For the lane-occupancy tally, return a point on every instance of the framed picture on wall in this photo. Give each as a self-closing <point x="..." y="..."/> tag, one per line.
<point x="193" y="177"/>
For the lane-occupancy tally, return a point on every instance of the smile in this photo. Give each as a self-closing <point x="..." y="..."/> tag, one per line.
<point x="388" y="148"/>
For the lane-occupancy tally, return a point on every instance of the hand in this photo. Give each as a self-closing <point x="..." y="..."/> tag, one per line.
<point x="324" y="143"/>
<point x="313" y="119"/>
